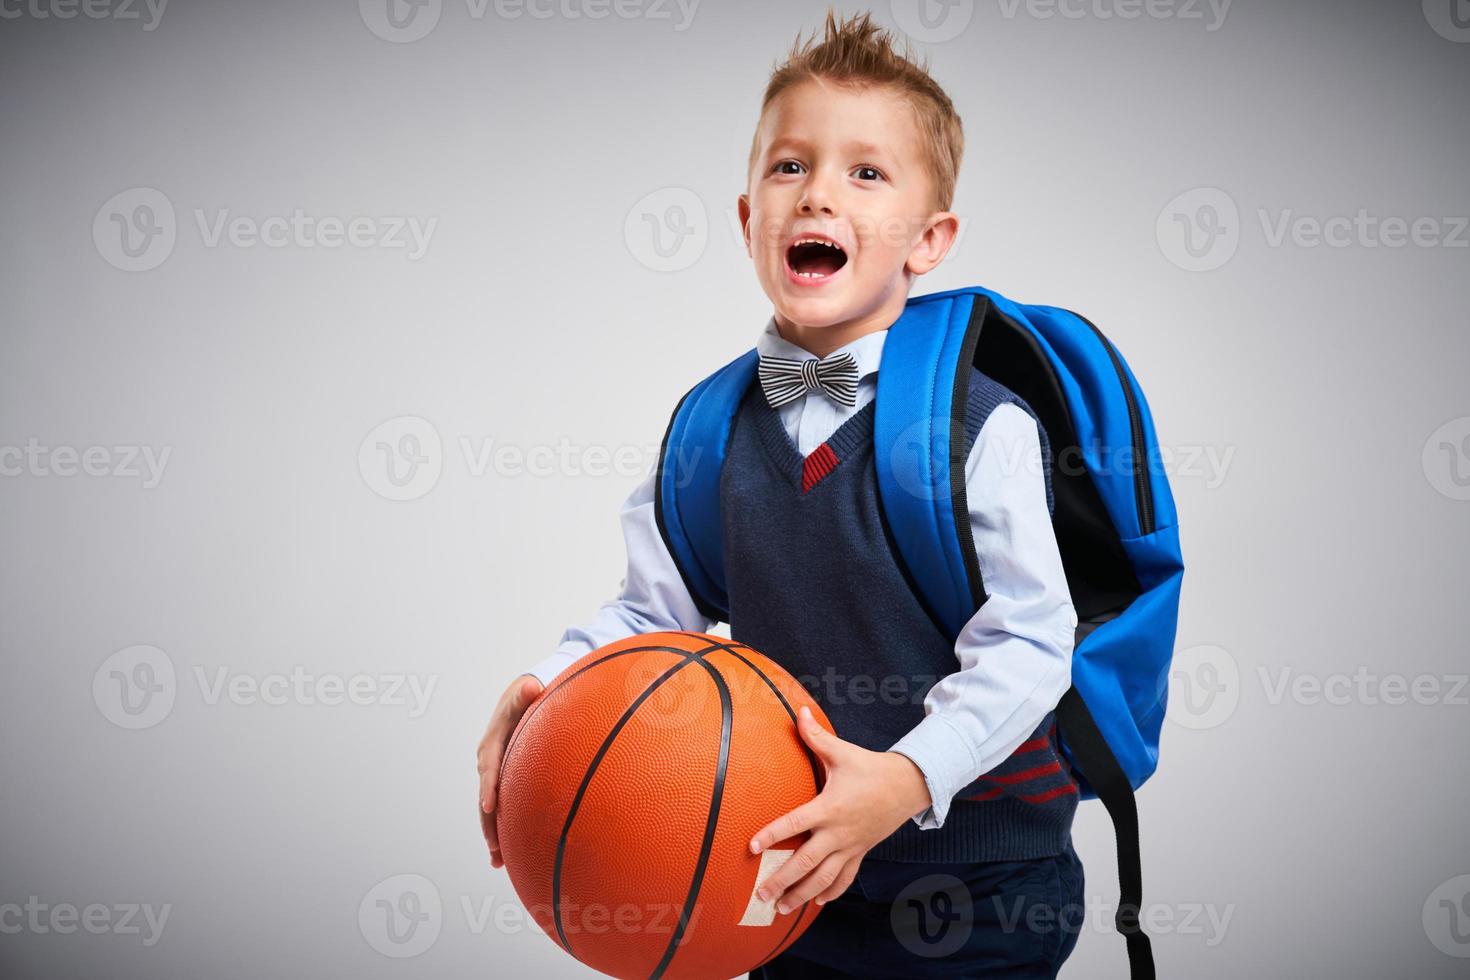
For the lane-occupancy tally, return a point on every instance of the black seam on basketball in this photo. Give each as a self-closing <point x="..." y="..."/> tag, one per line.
<point x="727" y="711"/>
<point x="719" y="644"/>
<point x="811" y="757"/>
<point x="561" y="844"/>
<point x="549" y="692"/>
<point x="688" y="658"/>
<point x="796" y="921"/>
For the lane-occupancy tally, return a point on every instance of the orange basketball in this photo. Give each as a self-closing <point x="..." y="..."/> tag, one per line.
<point x="629" y="793"/>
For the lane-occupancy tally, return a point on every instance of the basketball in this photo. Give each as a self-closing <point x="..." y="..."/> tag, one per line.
<point x="629" y="793"/>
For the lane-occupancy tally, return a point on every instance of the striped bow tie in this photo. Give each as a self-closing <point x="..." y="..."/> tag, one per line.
<point x="785" y="379"/>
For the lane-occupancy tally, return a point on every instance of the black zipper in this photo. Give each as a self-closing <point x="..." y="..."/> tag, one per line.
<point x="1142" y="491"/>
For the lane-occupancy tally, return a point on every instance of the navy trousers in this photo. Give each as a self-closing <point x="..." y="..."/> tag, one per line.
<point x="1012" y="919"/>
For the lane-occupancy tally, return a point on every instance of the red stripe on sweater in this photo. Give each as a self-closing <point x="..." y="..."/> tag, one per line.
<point x="1025" y="775"/>
<point x="816" y="465"/>
<point x="1051" y="794"/>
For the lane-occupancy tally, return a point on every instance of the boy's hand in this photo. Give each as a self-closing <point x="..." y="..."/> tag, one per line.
<point x="508" y="712"/>
<point x="868" y="795"/>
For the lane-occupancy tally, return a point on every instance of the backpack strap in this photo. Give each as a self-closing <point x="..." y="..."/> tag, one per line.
<point x="1110" y="783"/>
<point x="687" y="487"/>
<point x="919" y="449"/>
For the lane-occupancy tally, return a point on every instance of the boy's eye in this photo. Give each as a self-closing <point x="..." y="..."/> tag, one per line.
<point x="788" y="163"/>
<point x="877" y="174"/>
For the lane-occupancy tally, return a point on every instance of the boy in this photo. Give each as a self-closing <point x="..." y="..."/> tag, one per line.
<point x="940" y="843"/>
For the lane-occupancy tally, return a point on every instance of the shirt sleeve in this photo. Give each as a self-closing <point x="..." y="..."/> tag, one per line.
<point x="1015" y="653"/>
<point x="653" y="596"/>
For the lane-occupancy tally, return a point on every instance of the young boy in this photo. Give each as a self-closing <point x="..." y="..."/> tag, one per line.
<point x="941" y="841"/>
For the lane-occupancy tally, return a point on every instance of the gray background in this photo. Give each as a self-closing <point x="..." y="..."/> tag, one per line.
<point x="1331" y="541"/>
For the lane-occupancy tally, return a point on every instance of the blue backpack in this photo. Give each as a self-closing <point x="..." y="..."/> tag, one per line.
<point x="1113" y="516"/>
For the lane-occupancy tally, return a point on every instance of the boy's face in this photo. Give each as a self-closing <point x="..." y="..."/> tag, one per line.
<point x="842" y="165"/>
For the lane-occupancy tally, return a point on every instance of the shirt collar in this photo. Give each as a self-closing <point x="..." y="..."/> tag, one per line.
<point x="866" y="350"/>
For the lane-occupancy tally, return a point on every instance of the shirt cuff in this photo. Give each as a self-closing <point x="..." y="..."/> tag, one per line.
<point x="943" y="755"/>
<point x="546" y="670"/>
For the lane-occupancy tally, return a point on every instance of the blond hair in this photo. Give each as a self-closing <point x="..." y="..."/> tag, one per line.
<point x="857" y="53"/>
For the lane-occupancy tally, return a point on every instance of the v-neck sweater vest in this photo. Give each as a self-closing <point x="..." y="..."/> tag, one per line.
<point x="815" y="583"/>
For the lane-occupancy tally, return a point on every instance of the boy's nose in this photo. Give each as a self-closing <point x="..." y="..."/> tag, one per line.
<point x="816" y="199"/>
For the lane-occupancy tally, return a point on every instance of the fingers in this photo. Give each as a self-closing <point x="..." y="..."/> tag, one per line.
<point x="827" y="746"/>
<point x="526" y="692"/>
<point x="808" y="858"/>
<point x="491" y="751"/>
<point x="492" y="838"/>
<point x="818" y="881"/>
<point x="488" y="763"/>
<point x="843" y="882"/>
<point x="786" y="826"/>
<point x="492" y="747"/>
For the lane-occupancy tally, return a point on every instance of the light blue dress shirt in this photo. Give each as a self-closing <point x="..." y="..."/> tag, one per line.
<point x="1015" y="653"/>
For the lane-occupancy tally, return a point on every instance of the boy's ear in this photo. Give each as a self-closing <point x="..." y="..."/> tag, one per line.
<point x="934" y="242"/>
<point x="743" y="207"/>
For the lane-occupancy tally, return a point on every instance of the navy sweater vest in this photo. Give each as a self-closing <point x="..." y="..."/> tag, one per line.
<point x="815" y="583"/>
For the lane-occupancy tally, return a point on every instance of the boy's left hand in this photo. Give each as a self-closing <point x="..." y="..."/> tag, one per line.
<point x="868" y="795"/>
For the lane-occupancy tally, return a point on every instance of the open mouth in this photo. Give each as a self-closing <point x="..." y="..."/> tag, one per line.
<point x="815" y="258"/>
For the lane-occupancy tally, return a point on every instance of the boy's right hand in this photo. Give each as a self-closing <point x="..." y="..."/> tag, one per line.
<point x="513" y="703"/>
